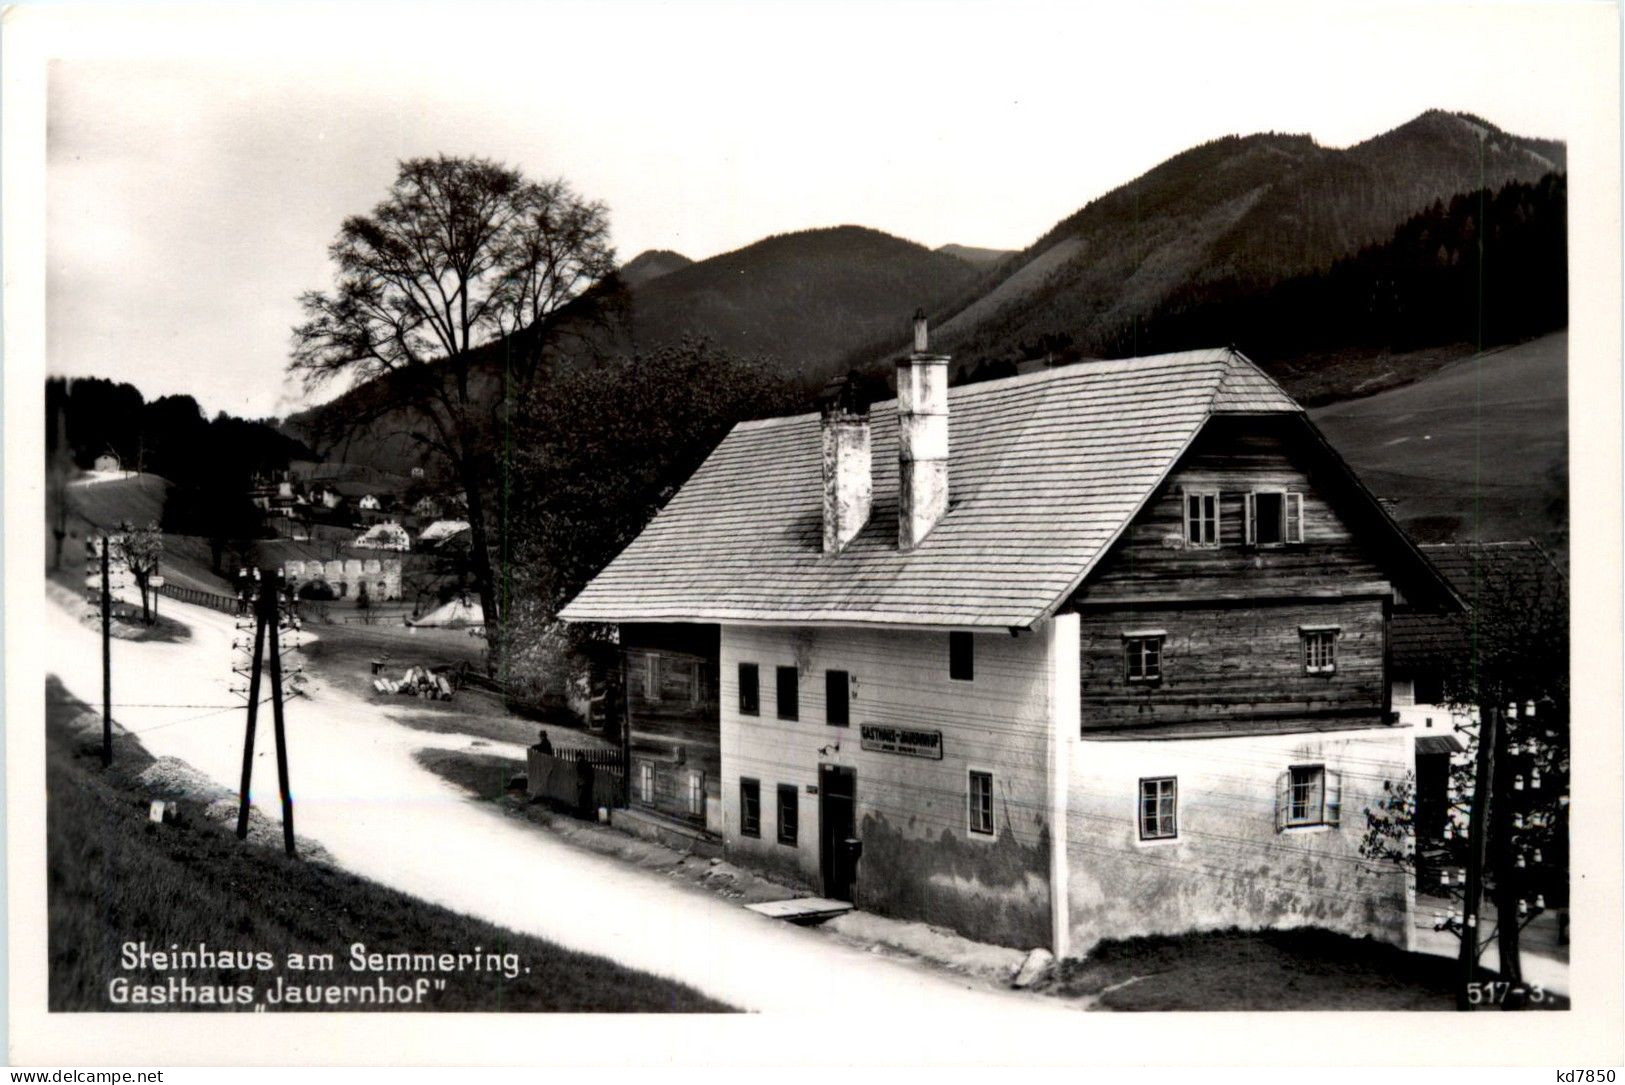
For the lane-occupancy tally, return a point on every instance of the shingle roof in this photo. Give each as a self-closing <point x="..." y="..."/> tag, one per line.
<point x="1045" y="471"/>
<point x="1423" y="641"/>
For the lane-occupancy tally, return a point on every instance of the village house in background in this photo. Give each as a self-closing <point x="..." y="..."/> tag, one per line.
<point x="347" y="576"/>
<point x="1105" y="654"/>
<point x="387" y="535"/>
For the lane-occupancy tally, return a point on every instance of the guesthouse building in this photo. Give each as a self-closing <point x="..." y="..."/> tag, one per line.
<point x="1093" y="652"/>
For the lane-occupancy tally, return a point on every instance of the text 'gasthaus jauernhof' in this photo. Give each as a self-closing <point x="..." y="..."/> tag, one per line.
<point x="171" y="976"/>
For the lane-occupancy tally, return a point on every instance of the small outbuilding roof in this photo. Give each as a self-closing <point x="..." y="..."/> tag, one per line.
<point x="1521" y="568"/>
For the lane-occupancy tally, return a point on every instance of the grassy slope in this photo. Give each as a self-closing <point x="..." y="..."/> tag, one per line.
<point x="113" y="877"/>
<point x="1478" y="450"/>
<point x="139" y="499"/>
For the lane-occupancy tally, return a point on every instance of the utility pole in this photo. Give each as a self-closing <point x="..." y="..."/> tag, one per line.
<point x="624" y="708"/>
<point x="1478" y="830"/>
<point x="273" y="618"/>
<point x="267" y="640"/>
<point x="1507" y="887"/>
<point x="107" y="657"/>
<point x="253" y="718"/>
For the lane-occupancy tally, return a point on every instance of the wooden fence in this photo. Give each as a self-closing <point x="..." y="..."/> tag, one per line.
<point x="557" y="777"/>
<point x="226" y="604"/>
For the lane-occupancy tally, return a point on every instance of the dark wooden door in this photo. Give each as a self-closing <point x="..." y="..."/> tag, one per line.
<point x="837" y="859"/>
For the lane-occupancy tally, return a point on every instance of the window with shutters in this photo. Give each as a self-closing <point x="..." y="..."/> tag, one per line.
<point x="750" y="807"/>
<point x="1308" y="795"/>
<point x="837" y="698"/>
<point x="1159" y="812"/>
<point x="1274" y="518"/>
<point x="1201" y="518"/>
<point x="980" y="797"/>
<point x="750" y="690"/>
<point x="789" y="814"/>
<point x="789" y="694"/>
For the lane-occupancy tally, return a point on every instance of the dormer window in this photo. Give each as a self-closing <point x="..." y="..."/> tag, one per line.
<point x="1274" y="518"/>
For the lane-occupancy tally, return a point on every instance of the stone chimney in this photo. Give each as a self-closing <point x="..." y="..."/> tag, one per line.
<point x="922" y="439"/>
<point x="848" y="480"/>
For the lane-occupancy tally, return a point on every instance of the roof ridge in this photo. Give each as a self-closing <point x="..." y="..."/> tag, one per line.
<point x="1241" y="371"/>
<point x="1257" y="370"/>
<point x="1083" y="367"/>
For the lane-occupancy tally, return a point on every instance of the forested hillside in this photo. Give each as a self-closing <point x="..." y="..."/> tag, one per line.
<point x="1237" y="214"/>
<point x="1486" y="268"/>
<point x="802" y="299"/>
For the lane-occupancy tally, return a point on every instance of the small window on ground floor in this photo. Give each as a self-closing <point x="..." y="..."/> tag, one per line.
<point x="981" y="802"/>
<point x="646" y="783"/>
<point x="1308" y="795"/>
<point x="696" y="793"/>
<point x="789" y="814"/>
<point x="1159" y="808"/>
<point x="750" y="807"/>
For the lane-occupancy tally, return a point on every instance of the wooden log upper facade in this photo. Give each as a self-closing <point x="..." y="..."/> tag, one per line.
<point x="1231" y="616"/>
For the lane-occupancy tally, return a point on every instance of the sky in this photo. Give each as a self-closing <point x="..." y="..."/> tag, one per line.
<point x="199" y="160"/>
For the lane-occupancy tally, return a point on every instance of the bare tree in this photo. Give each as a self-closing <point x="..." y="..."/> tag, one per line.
<point x="450" y="297"/>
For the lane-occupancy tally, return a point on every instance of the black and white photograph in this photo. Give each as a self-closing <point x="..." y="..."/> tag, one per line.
<point x="813" y="534"/>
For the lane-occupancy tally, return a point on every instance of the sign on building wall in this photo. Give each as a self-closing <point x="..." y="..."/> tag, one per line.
<point x="901" y="740"/>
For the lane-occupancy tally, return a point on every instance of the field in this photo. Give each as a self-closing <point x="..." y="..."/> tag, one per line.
<point x="114" y="877"/>
<point x="1476" y="451"/>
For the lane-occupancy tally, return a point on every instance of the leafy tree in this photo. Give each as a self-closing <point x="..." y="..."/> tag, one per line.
<point x="600" y="451"/>
<point x="140" y="549"/>
<point x="1516" y="667"/>
<point x="451" y="296"/>
<point x="596" y="454"/>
